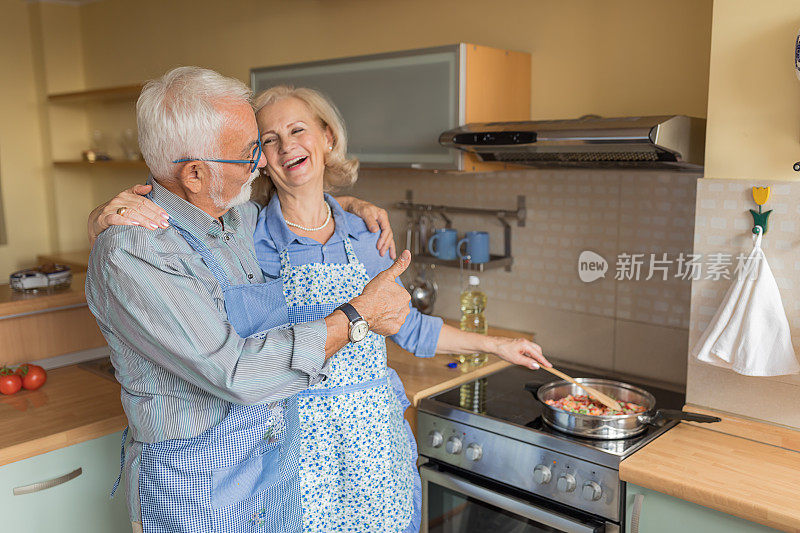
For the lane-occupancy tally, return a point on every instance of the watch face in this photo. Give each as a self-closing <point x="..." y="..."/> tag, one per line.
<point x="359" y="330"/>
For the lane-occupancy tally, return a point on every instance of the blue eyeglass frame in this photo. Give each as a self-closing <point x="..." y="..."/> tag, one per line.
<point x="252" y="162"/>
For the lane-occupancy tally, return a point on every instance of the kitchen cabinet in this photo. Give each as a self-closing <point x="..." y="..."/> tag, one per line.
<point x="661" y="513"/>
<point x="395" y="105"/>
<point x="78" y="505"/>
<point x="36" y="326"/>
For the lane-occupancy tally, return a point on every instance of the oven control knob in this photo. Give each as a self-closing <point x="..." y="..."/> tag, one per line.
<point x="435" y="439"/>
<point x="591" y="491"/>
<point x="542" y="475"/>
<point x="474" y="452"/>
<point x="566" y="483"/>
<point x="453" y="445"/>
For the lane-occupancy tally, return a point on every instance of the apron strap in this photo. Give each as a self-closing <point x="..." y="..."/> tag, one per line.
<point x="348" y="248"/>
<point x="335" y="391"/>
<point x="199" y="247"/>
<point x="208" y="257"/>
<point x="121" y="462"/>
<point x="285" y="264"/>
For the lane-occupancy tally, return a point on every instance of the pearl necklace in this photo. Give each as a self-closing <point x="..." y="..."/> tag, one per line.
<point x="327" y="219"/>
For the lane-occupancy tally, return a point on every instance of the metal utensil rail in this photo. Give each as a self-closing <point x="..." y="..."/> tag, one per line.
<point x="503" y="215"/>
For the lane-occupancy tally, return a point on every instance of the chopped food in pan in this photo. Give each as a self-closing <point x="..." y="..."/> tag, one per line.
<point x="584" y="405"/>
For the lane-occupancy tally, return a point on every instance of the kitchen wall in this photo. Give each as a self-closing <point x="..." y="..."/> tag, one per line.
<point x="752" y="139"/>
<point x="754" y="95"/>
<point x="633" y="326"/>
<point x="23" y="173"/>
<point x="617" y="57"/>
<point x="614" y="57"/>
<point x="611" y="57"/>
<point x="724" y="226"/>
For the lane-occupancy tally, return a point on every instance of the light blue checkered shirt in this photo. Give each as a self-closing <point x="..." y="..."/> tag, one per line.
<point x="162" y="313"/>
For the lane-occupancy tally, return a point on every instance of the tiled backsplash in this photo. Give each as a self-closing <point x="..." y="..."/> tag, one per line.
<point x="636" y="327"/>
<point x="723" y="225"/>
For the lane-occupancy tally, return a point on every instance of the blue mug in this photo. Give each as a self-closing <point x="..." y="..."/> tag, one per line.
<point x="477" y="247"/>
<point x="443" y="244"/>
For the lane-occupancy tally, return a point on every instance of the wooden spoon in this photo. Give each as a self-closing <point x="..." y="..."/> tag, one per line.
<point x="608" y="401"/>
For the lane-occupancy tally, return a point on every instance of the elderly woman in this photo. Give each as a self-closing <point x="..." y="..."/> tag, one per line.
<point x="358" y="456"/>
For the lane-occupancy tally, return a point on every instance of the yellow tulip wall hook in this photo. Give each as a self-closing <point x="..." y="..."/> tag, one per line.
<point x="760" y="196"/>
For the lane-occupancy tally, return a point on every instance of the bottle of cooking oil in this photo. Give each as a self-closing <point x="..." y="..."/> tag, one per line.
<point x="473" y="305"/>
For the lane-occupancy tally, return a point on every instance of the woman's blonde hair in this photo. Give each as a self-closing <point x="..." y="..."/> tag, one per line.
<point x="340" y="171"/>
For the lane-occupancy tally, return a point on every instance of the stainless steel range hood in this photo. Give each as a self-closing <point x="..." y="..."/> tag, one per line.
<point x="670" y="142"/>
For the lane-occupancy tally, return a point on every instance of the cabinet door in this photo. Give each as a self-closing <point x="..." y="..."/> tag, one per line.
<point x="78" y="505"/>
<point x="394" y="105"/>
<point x="664" y="514"/>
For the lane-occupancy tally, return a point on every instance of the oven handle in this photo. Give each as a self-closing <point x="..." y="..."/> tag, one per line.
<point x="508" y="503"/>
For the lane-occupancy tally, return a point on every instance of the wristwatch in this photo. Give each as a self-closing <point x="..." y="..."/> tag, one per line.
<point x="358" y="326"/>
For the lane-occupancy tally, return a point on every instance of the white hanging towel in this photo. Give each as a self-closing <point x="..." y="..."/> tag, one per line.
<point x="750" y="333"/>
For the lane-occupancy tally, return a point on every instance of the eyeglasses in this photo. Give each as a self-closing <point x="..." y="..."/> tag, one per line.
<point x="256" y="157"/>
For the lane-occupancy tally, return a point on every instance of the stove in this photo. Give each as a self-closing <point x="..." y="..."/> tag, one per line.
<point x="488" y="449"/>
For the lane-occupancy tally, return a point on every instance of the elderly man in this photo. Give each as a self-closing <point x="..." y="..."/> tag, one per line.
<point x="209" y="394"/>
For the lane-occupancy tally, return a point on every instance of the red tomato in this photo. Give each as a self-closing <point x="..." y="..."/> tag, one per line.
<point x="10" y="383"/>
<point x="33" y="376"/>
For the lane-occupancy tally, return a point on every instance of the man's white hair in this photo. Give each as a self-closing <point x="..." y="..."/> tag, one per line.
<point x="178" y="118"/>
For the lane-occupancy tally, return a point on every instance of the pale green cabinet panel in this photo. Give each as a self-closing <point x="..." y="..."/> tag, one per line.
<point x="665" y="514"/>
<point x="78" y="505"/>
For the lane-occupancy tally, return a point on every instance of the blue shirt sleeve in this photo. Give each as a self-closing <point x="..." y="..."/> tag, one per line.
<point x="419" y="333"/>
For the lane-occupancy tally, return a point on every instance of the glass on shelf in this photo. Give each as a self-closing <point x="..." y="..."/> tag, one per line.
<point x="130" y="145"/>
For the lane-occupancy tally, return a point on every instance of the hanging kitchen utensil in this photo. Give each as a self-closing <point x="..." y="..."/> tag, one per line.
<point x="423" y="292"/>
<point x="412" y="234"/>
<point x="425" y="230"/>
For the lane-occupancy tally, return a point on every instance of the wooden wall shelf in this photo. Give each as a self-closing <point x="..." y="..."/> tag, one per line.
<point x="124" y="92"/>
<point x="413" y="210"/>
<point x="113" y="163"/>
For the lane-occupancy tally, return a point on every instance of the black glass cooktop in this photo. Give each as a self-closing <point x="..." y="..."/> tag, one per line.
<point x="502" y="396"/>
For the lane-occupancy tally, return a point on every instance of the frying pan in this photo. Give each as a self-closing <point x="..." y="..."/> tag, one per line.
<point x="606" y="427"/>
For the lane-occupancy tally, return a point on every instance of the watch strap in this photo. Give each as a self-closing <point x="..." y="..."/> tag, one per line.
<point x="350" y="312"/>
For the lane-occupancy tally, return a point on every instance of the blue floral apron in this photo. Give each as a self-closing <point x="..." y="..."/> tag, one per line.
<point x="357" y="462"/>
<point x="242" y="474"/>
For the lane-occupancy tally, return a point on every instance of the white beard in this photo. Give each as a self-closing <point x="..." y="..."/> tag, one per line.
<point x="241" y="198"/>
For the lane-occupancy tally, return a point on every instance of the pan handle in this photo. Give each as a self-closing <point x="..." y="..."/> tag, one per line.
<point x="674" y="414"/>
<point x="532" y="387"/>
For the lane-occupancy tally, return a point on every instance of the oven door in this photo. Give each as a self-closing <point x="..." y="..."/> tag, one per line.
<point x="454" y="504"/>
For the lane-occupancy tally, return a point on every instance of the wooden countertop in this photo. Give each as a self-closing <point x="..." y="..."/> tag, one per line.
<point x="724" y="469"/>
<point x="14" y="303"/>
<point x="74" y="405"/>
<point x="423" y="376"/>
